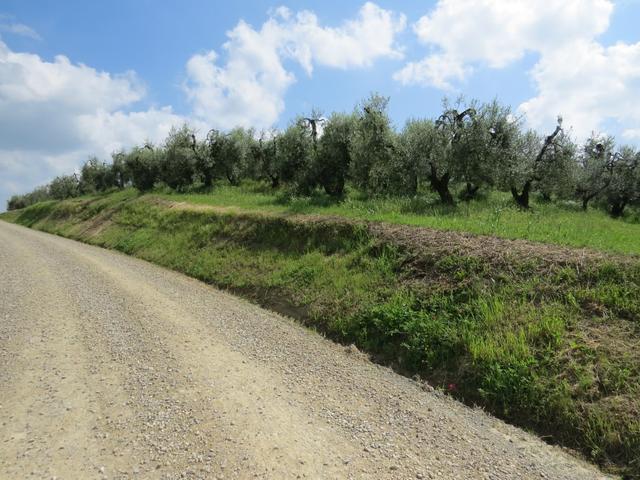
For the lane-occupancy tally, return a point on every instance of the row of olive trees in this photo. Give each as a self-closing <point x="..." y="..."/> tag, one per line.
<point x="465" y="150"/>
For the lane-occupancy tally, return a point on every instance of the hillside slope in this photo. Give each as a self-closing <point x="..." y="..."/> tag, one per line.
<point x="545" y="337"/>
<point x="139" y="372"/>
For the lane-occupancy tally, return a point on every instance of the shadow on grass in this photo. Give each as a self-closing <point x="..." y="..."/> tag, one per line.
<point x="36" y="212"/>
<point x="426" y="206"/>
<point x="305" y="203"/>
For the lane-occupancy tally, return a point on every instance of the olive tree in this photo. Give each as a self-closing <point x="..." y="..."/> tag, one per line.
<point x="16" y="202"/>
<point x="372" y="145"/>
<point x="418" y="144"/>
<point x="143" y="164"/>
<point x="204" y="162"/>
<point x="558" y="178"/>
<point x="539" y="162"/>
<point x="483" y="147"/>
<point x="177" y="159"/>
<point x="314" y="124"/>
<point x="89" y="173"/>
<point x="233" y="157"/>
<point x="39" y="194"/>
<point x="624" y="187"/>
<point x="294" y="153"/>
<point x="64" y="186"/>
<point x="121" y="173"/>
<point x="452" y="142"/>
<point x="96" y="176"/>
<point x="469" y="146"/>
<point x="264" y="156"/>
<point x="333" y="157"/>
<point x="594" y="168"/>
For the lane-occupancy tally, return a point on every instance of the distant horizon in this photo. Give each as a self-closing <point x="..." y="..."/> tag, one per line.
<point x="89" y="79"/>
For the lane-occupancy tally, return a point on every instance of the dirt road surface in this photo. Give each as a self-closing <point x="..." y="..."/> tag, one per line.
<point x="113" y="368"/>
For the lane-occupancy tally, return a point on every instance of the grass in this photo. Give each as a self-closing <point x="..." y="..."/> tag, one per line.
<point x="554" y="347"/>
<point x="496" y="214"/>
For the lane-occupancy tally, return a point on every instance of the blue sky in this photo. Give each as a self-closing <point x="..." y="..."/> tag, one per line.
<point x="133" y="68"/>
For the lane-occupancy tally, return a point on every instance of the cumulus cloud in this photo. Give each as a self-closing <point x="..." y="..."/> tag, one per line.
<point x="53" y="115"/>
<point x="357" y="43"/>
<point x="498" y="32"/>
<point x="248" y="90"/>
<point x="438" y="70"/>
<point x="589" y="83"/>
<point x="249" y="85"/>
<point x="41" y="101"/>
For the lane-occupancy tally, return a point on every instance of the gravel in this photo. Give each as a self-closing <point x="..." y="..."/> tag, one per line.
<point x="114" y="368"/>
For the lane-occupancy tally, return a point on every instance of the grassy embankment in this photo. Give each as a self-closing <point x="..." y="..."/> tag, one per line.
<point x="545" y="337"/>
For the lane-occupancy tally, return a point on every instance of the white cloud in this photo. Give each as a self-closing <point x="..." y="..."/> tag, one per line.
<point x="22" y="170"/>
<point x="631" y="134"/>
<point x="498" y="32"/>
<point x="111" y="131"/>
<point x="19" y="29"/>
<point x="53" y="115"/>
<point x="9" y="25"/>
<point x="590" y="84"/>
<point x="249" y="88"/>
<point x="27" y="78"/>
<point x="436" y="70"/>
<point x="357" y="43"/>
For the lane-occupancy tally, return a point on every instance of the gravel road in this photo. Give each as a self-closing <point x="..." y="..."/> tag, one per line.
<point x="111" y="367"/>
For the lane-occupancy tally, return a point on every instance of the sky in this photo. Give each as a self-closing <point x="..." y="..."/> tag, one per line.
<point x="82" y="78"/>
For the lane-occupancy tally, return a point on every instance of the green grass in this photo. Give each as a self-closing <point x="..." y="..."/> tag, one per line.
<point x="554" y="348"/>
<point x="562" y="224"/>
